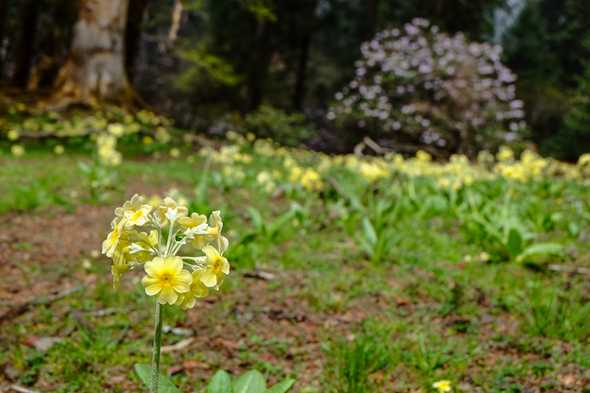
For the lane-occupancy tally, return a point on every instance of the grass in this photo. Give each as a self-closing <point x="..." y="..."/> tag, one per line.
<point x="386" y="292"/>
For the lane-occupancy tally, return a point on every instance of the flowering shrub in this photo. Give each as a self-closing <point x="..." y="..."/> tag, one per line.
<point x="426" y="87"/>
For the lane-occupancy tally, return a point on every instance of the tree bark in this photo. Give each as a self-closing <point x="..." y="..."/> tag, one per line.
<point x="95" y="69"/>
<point x="133" y="35"/>
<point x="26" y="43"/>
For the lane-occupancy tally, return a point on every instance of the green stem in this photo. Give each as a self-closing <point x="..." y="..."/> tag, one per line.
<point x="156" y="348"/>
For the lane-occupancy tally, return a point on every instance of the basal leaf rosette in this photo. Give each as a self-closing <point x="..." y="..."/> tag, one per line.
<point x="181" y="254"/>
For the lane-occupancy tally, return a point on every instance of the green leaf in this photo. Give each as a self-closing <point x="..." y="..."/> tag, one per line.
<point x="250" y="382"/>
<point x="144" y="371"/>
<point x="220" y="383"/>
<point x="256" y="217"/>
<point x="514" y="242"/>
<point x="573" y="229"/>
<point x="369" y="231"/>
<point x="282" y="387"/>
<point x="541" y="249"/>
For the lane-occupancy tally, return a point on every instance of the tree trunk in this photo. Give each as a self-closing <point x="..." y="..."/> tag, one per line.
<point x="372" y="13"/>
<point x="3" y="11"/>
<point x="133" y="35"/>
<point x="301" y="73"/>
<point x="26" y="43"/>
<point x="259" y="66"/>
<point x="95" y="71"/>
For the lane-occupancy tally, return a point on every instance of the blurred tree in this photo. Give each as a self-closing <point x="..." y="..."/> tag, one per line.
<point x="137" y="9"/>
<point x="3" y="14"/>
<point x="26" y="43"/>
<point x="574" y="139"/>
<point x="472" y="17"/>
<point x="94" y="70"/>
<point x="546" y="49"/>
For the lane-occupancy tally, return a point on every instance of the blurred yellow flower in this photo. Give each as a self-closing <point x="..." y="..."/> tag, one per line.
<point x="17" y="150"/>
<point x="13" y="135"/>
<point x="443" y="386"/>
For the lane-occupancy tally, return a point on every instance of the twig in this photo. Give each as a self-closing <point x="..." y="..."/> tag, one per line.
<point x="572" y="270"/>
<point x="260" y="275"/>
<point x="373" y="145"/>
<point x="24" y="307"/>
<point x="21" y="389"/>
<point x="179" y="345"/>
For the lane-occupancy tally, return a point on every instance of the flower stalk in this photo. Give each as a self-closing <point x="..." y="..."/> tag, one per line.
<point x="156" y="348"/>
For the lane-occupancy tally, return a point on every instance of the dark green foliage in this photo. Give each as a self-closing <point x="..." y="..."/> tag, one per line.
<point x="282" y="127"/>
<point x="547" y="49"/>
<point x="576" y="136"/>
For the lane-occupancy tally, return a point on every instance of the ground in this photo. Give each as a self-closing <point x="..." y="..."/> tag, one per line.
<point x="303" y="300"/>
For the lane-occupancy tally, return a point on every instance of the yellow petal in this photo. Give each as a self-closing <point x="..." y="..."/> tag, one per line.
<point x="210" y="251"/>
<point x="168" y="296"/>
<point x="225" y="266"/>
<point x="153" y="289"/>
<point x="182" y="286"/>
<point x="175" y="263"/>
<point x="151" y="266"/>
<point x="185" y="277"/>
<point x="209" y="279"/>
<point x="147" y="280"/>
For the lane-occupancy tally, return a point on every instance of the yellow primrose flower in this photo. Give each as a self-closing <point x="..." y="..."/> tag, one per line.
<point x="505" y="154"/>
<point x="116" y="129"/>
<point x="113" y="238"/>
<point x="135" y="203"/>
<point x="197" y="290"/>
<point x="166" y="279"/>
<point x="423" y="156"/>
<point x="59" y="150"/>
<point x="174" y="153"/>
<point x="170" y="210"/>
<point x="137" y="217"/>
<point x="141" y="247"/>
<point x="17" y="150"/>
<point x="119" y="267"/>
<point x="193" y="221"/>
<point x="443" y="386"/>
<point x="584" y="159"/>
<point x="155" y="201"/>
<point x="214" y="231"/>
<point x="217" y="267"/>
<point x="13" y="135"/>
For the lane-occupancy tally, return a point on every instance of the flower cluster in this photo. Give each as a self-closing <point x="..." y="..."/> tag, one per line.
<point x="436" y="89"/>
<point x="182" y="254"/>
<point x="106" y="147"/>
<point x="312" y="171"/>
